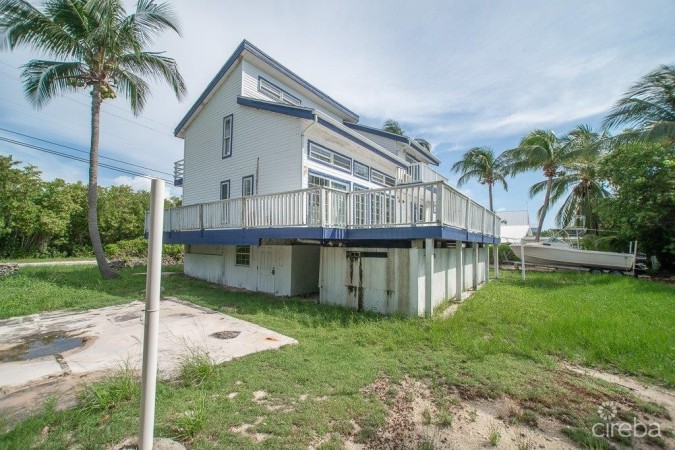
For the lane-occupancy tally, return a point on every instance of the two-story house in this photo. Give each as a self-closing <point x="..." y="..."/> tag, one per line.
<point x="285" y="192"/>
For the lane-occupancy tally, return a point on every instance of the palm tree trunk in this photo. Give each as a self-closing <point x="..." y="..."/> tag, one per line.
<point x="92" y="195"/>
<point x="490" y="195"/>
<point x="544" y="209"/>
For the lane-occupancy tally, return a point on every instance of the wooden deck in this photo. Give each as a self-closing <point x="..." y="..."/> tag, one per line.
<point x="414" y="206"/>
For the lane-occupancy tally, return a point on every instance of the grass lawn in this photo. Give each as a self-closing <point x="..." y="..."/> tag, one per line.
<point x="42" y="260"/>
<point x="506" y="340"/>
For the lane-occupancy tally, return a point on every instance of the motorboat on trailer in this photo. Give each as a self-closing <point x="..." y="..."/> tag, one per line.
<point x="558" y="253"/>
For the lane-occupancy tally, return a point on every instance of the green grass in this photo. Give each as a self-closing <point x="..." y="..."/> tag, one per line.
<point x="41" y="260"/>
<point x="507" y="339"/>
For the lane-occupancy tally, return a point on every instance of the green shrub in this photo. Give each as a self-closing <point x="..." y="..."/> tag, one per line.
<point x="138" y="248"/>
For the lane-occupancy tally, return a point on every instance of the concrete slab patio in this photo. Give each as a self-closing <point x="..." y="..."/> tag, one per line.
<point x="55" y="344"/>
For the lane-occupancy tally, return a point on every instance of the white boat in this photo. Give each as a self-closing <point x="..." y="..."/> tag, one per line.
<point x="555" y="252"/>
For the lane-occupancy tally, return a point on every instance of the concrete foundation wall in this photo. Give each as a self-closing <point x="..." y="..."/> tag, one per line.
<point x="282" y="270"/>
<point x="384" y="280"/>
<point x="362" y="279"/>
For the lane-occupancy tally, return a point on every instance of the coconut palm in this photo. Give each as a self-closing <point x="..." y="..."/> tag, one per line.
<point x="648" y="106"/>
<point x="578" y="179"/>
<point x="541" y="150"/>
<point x="481" y="164"/>
<point x="424" y="143"/>
<point x="392" y="126"/>
<point x="93" y="45"/>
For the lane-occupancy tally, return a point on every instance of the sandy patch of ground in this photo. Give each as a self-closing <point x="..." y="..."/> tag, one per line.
<point x="415" y="420"/>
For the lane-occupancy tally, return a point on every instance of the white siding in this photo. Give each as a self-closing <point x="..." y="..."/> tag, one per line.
<point x="251" y="73"/>
<point x="273" y="138"/>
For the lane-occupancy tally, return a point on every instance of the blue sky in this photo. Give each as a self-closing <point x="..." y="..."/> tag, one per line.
<point x="460" y="74"/>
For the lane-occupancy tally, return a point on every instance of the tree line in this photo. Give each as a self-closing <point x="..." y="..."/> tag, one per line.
<point x="41" y="218"/>
<point x="624" y="183"/>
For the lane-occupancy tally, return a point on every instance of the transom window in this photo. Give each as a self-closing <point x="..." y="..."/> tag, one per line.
<point x="227" y="136"/>
<point x="242" y="255"/>
<point x="316" y="180"/>
<point x="275" y="92"/>
<point x="361" y="170"/>
<point x="225" y="190"/>
<point x="380" y="178"/>
<point x="247" y="186"/>
<point x="329" y="157"/>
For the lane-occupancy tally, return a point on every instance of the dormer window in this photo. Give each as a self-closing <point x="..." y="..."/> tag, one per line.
<point x="275" y="92"/>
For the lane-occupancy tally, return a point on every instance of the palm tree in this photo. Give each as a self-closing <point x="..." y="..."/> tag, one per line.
<point x="392" y="126"/>
<point x="95" y="46"/>
<point x="424" y="143"/>
<point x="649" y="106"/>
<point x="578" y="179"/>
<point x="480" y="163"/>
<point x="541" y="150"/>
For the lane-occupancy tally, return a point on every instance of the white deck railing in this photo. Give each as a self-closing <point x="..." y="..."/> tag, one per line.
<point x="422" y="173"/>
<point x="413" y="205"/>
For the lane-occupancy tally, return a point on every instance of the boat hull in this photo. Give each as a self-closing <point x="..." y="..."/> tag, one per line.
<point x="551" y="255"/>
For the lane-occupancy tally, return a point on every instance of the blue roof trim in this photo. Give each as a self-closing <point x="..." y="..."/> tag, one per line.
<point x="245" y="45"/>
<point x="281" y="108"/>
<point x="395" y="137"/>
<point x="361" y="142"/>
<point x="376" y="131"/>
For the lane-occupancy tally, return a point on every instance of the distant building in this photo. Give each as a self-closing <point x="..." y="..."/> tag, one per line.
<point x="515" y="226"/>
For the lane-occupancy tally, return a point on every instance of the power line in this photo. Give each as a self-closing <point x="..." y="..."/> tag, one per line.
<point x="76" y="158"/>
<point x="83" y="151"/>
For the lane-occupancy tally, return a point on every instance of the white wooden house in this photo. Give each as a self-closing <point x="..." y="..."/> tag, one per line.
<point x="285" y="192"/>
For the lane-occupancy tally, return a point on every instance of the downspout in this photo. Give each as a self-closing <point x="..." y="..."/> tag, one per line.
<point x="302" y="143"/>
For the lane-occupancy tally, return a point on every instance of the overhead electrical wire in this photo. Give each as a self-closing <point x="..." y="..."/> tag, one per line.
<point x="77" y="158"/>
<point x="83" y="151"/>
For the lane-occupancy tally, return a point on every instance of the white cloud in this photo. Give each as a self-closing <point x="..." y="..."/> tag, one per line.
<point x="458" y="73"/>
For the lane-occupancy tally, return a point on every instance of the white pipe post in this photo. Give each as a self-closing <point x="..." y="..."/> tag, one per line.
<point x="522" y="260"/>
<point x="151" y="326"/>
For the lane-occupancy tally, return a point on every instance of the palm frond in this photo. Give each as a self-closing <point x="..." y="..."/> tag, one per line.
<point x="154" y="65"/>
<point x="23" y="24"/>
<point x="134" y="88"/>
<point x="43" y="80"/>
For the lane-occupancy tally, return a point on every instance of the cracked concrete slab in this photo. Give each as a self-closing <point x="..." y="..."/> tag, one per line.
<point x="111" y="337"/>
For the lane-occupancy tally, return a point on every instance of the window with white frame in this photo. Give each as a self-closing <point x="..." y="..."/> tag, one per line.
<point x="329" y="157"/>
<point x="227" y="136"/>
<point x="360" y="203"/>
<point x="275" y="92"/>
<point x="225" y="190"/>
<point x="242" y="255"/>
<point x="361" y="170"/>
<point x="247" y="186"/>
<point x="316" y="180"/>
<point x="380" y="178"/>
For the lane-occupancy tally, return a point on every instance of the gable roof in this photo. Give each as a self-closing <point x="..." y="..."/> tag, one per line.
<point x="265" y="58"/>
<point x="396" y="137"/>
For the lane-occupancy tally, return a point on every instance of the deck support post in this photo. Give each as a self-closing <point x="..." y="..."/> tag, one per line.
<point x="487" y="262"/>
<point x="522" y="260"/>
<point x="474" y="264"/>
<point x="495" y="259"/>
<point x="414" y="277"/>
<point x="428" y="276"/>
<point x="459" y="269"/>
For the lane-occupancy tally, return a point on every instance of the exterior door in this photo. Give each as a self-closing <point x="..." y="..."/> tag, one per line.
<point x="266" y="270"/>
